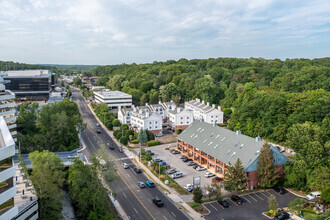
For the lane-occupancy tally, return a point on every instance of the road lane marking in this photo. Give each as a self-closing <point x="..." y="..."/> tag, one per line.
<point x="128" y="175"/>
<point x="164" y="217"/>
<point x="135" y="211"/>
<point x="86" y="159"/>
<point x="252" y="198"/>
<point x="246" y="199"/>
<point x="213" y="207"/>
<point x="136" y="196"/>
<point x="258" y="196"/>
<point x="173" y="214"/>
<point x="149" y="200"/>
<point x="124" y="195"/>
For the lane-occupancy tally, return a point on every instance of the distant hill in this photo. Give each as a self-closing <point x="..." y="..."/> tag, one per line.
<point x="10" y="65"/>
<point x="72" y="67"/>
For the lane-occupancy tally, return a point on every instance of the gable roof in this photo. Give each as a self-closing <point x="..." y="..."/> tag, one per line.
<point x="182" y="112"/>
<point x="221" y="143"/>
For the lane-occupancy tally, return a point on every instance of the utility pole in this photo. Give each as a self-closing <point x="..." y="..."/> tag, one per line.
<point x="159" y="164"/>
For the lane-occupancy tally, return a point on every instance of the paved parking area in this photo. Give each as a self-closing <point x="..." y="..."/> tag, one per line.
<point x="253" y="206"/>
<point x="175" y="162"/>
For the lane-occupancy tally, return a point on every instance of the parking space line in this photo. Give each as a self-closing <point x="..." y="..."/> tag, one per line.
<point x="270" y="193"/>
<point x="135" y="211"/>
<point x="246" y="199"/>
<point x="264" y="195"/>
<point x="165" y="217"/>
<point x="213" y="207"/>
<point x="232" y="202"/>
<point x="173" y="214"/>
<point x="221" y="206"/>
<point x="124" y="195"/>
<point x="258" y="196"/>
<point x="149" y="200"/>
<point x="252" y="198"/>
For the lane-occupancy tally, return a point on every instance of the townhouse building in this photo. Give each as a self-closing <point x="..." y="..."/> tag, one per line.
<point x="157" y="108"/>
<point x="142" y="118"/>
<point x="181" y="118"/>
<point x="208" y="113"/>
<point x="214" y="147"/>
<point x="168" y="106"/>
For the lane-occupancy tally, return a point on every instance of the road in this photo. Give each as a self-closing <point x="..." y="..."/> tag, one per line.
<point x="136" y="202"/>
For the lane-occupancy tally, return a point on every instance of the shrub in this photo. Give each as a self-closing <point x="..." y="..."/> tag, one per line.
<point x="325" y="194"/>
<point x="116" y="123"/>
<point x="150" y="135"/>
<point x="134" y="141"/>
<point x="153" y="143"/>
<point x="124" y="127"/>
<point x="119" y="135"/>
<point x="297" y="204"/>
<point x="197" y="207"/>
<point x="267" y="213"/>
<point x="178" y="131"/>
<point x="123" y="140"/>
<point x="148" y="157"/>
<point x="198" y="195"/>
<point x="116" y="132"/>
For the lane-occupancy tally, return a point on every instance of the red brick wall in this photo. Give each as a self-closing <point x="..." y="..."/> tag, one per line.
<point x="156" y="131"/>
<point x="181" y="127"/>
<point x="252" y="177"/>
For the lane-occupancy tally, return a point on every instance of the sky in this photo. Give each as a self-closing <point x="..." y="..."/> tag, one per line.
<point x="142" y="31"/>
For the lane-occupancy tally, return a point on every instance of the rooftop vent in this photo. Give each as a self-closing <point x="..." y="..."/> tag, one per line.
<point x="212" y="134"/>
<point x="236" y="144"/>
<point x="223" y="138"/>
<point x="233" y="154"/>
<point x="257" y="152"/>
<point x="202" y="130"/>
<point x="192" y="135"/>
<point x="242" y="145"/>
<point x="210" y="143"/>
<point x="204" y="141"/>
<point x="238" y="132"/>
<point x="228" y="152"/>
<point x="217" y="136"/>
<point x="216" y="146"/>
<point x="198" y="129"/>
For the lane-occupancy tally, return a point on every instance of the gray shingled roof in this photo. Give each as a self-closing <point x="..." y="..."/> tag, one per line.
<point x="223" y="144"/>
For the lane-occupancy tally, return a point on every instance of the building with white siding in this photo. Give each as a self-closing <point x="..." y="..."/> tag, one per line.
<point x="208" y="113"/>
<point x="181" y="118"/>
<point x="168" y="106"/>
<point x="114" y="99"/>
<point x="143" y="119"/>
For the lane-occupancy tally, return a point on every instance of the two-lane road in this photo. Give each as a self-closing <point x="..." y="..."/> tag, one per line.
<point x="136" y="202"/>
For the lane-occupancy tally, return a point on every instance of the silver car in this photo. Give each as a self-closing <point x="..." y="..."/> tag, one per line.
<point x="141" y="184"/>
<point x="170" y="171"/>
<point x="200" y="168"/>
<point x="125" y="165"/>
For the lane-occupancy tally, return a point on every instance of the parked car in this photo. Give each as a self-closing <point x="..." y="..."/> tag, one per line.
<point x="175" y="152"/>
<point x="187" y="160"/>
<point x="282" y="216"/>
<point x="121" y="150"/>
<point x="223" y="203"/>
<point x="236" y="199"/>
<point x="150" y="183"/>
<point x="170" y="171"/>
<point x="209" y="174"/>
<point x="98" y="131"/>
<point x="176" y="175"/>
<point x="97" y="124"/>
<point x="279" y="189"/>
<point x="111" y="147"/>
<point x="141" y="184"/>
<point x="195" y="166"/>
<point x="157" y="160"/>
<point x="200" y="168"/>
<point x="313" y="195"/>
<point x="191" y="163"/>
<point x="151" y="153"/>
<point x="182" y="156"/>
<point x="189" y="187"/>
<point x="158" y="202"/>
<point x="137" y="170"/>
<point x="216" y="179"/>
<point x="125" y="165"/>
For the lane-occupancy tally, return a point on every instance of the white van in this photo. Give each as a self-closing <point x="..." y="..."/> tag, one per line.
<point x="176" y="175"/>
<point x="313" y="195"/>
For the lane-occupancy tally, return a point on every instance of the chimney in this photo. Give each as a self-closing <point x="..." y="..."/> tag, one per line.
<point x="203" y="102"/>
<point x="213" y="105"/>
<point x="119" y="107"/>
<point x="201" y="119"/>
<point x="159" y="102"/>
<point x="208" y="104"/>
<point x="258" y="138"/>
<point x="134" y="109"/>
<point x="147" y="114"/>
<point x="197" y="100"/>
<point x="238" y="132"/>
<point x="178" y="110"/>
<point x="140" y="112"/>
<point x="147" y="104"/>
<point x="133" y="106"/>
<point x="215" y="124"/>
<point x="171" y="100"/>
<point x="219" y="108"/>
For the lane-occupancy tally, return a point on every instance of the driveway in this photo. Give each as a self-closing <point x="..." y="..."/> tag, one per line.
<point x="253" y="206"/>
<point x="175" y="162"/>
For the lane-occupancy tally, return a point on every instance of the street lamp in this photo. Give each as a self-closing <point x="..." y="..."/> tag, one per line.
<point x="160" y="163"/>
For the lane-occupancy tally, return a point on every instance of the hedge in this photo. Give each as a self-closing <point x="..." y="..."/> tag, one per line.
<point x="134" y="141"/>
<point x="153" y="143"/>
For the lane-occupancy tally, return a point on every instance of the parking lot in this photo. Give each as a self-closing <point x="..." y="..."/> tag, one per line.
<point x="175" y="162"/>
<point x="253" y="206"/>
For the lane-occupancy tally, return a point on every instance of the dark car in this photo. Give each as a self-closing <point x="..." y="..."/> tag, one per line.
<point x="223" y="203"/>
<point x="216" y="179"/>
<point x="98" y="131"/>
<point x="151" y="153"/>
<point x="111" y="147"/>
<point x="236" y="199"/>
<point x="182" y="156"/>
<point x="150" y="183"/>
<point x="157" y="160"/>
<point x="282" y="216"/>
<point x="158" y="202"/>
<point x="195" y="166"/>
<point x="121" y="150"/>
<point x="279" y="189"/>
<point x="137" y="170"/>
<point x="186" y="160"/>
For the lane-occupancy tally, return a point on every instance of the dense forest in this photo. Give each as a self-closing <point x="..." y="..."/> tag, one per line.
<point x="286" y="102"/>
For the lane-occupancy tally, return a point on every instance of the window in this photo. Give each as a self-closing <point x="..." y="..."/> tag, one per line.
<point x="150" y="127"/>
<point x="156" y="126"/>
<point x="181" y="118"/>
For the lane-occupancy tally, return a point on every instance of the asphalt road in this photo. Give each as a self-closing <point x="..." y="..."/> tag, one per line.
<point x="136" y="202"/>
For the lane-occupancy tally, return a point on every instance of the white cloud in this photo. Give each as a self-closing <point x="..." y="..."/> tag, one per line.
<point x="117" y="31"/>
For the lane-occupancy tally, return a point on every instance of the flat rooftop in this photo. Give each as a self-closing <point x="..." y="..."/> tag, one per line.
<point x="111" y="93"/>
<point x="25" y="73"/>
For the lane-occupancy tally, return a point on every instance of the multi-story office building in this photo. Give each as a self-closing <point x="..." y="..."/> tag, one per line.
<point x="208" y="113"/>
<point x="26" y="84"/>
<point x="114" y="99"/>
<point x="8" y="107"/>
<point x="7" y="173"/>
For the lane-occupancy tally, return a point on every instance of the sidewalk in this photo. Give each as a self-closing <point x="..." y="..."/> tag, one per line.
<point x="170" y="193"/>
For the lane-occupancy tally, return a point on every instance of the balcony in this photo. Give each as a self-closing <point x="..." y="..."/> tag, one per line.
<point x="7" y="190"/>
<point x="7" y="170"/>
<point x="8" y="210"/>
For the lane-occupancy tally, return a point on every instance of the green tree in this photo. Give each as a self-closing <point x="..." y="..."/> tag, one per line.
<point x="47" y="177"/>
<point x="217" y="186"/>
<point x="62" y="84"/>
<point x="296" y="174"/>
<point x="209" y="190"/>
<point x="325" y="194"/>
<point x="123" y="140"/>
<point x="143" y="137"/>
<point x="198" y="195"/>
<point x="116" y="123"/>
<point x="124" y="127"/>
<point x="235" y="178"/>
<point x="115" y="82"/>
<point x="267" y="171"/>
<point x="319" y="178"/>
<point x="272" y="203"/>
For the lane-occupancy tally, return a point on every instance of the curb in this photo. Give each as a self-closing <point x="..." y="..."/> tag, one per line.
<point x="304" y="197"/>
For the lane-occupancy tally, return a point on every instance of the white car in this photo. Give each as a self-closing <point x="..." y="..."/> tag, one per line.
<point x="209" y="174"/>
<point x="189" y="187"/>
<point x="125" y="165"/>
<point x="199" y="168"/>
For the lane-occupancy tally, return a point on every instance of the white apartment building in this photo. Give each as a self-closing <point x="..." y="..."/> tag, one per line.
<point x="114" y="99"/>
<point x="124" y="115"/>
<point x="181" y="118"/>
<point x="157" y="108"/>
<point x="8" y="106"/>
<point x="143" y="119"/>
<point x="168" y="106"/>
<point x="208" y="113"/>
<point x="7" y="172"/>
